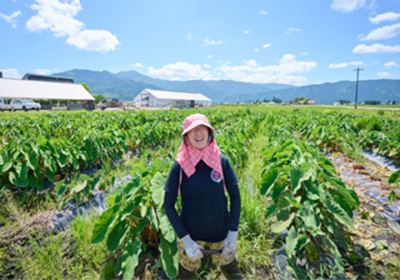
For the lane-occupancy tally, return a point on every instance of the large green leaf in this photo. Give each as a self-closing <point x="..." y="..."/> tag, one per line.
<point x="169" y="257"/>
<point x="17" y="181"/>
<point x="61" y="192"/>
<point x="117" y="235"/>
<point x="291" y="241"/>
<point x="50" y="175"/>
<point x="165" y="226"/>
<point x="391" y="197"/>
<point x="33" y="160"/>
<point x="22" y="170"/>
<point x="8" y="165"/>
<point x="306" y="213"/>
<point x="268" y="180"/>
<point x="130" y="258"/>
<point x="151" y="215"/>
<point x="339" y="213"/>
<point x="79" y="186"/>
<point x="270" y="211"/>
<point x="157" y="191"/>
<point x="278" y="189"/>
<point x="133" y="185"/>
<point x="348" y="194"/>
<point x="105" y="222"/>
<point x="279" y="226"/>
<point x="394" y="178"/>
<point x="295" y="175"/>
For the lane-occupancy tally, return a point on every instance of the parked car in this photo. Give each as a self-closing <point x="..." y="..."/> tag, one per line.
<point x="19" y="104"/>
<point x="4" y="106"/>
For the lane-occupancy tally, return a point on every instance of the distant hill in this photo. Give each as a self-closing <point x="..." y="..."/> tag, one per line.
<point x="216" y="90"/>
<point x="126" y="85"/>
<point x="382" y="90"/>
<point x="108" y="84"/>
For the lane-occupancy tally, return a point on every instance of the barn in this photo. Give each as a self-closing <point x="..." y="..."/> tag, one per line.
<point x="163" y="98"/>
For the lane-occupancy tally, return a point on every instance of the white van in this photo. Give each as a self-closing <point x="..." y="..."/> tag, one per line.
<point x="19" y="104"/>
<point x="4" y="106"/>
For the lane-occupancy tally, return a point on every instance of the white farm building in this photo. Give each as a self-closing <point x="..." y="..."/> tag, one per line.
<point x="162" y="98"/>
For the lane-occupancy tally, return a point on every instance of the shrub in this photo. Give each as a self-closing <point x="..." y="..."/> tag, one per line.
<point x="380" y="112"/>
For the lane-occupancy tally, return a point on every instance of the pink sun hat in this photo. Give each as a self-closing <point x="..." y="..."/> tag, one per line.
<point x="195" y="120"/>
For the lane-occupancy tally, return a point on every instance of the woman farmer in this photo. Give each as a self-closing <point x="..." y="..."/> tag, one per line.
<point x="201" y="174"/>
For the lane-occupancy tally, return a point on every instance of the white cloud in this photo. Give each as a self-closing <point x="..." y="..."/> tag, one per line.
<point x="58" y="17"/>
<point x="137" y="64"/>
<point x="381" y="33"/>
<point x="208" y="42"/>
<point x="11" y="73"/>
<point x="266" y="46"/>
<point x="94" y="40"/>
<point x="43" y="71"/>
<point x="262" y="13"/>
<point x="180" y="71"/>
<point x="252" y="63"/>
<point x="256" y="50"/>
<point x="246" y="32"/>
<point x="384" y="74"/>
<point x="344" y="64"/>
<point x="210" y="56"/>
<point x="303" y="54"/>
<point x="288" y="71"/>
<point x="11" y="18"/>
<point x="339" y="65"/>
<point x="391" y="64"/>
<point x="290" y="30"/>
<point x="206" y="66"/>
<point x="346" y="6"/>
<point x="189" y="37"/>
<point x="376" y="48"/>
<point x="390" y="16"/>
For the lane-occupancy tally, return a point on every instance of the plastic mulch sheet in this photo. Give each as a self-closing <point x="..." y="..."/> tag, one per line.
<point x="369" y="187"/>
<point x="71" y="210"/>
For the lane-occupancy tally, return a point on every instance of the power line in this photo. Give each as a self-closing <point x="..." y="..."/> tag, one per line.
<point x="358" y="73"/>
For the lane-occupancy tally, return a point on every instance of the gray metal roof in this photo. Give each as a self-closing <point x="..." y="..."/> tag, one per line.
<point x="176" y="95"/>
<point x="46" y="76"/>
<point x="13" y="89"/>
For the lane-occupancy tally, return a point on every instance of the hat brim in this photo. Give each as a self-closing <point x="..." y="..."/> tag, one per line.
<point x="195" y="124"/>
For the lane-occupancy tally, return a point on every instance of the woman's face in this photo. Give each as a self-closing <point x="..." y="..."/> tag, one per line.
<point x="198" y="137"/>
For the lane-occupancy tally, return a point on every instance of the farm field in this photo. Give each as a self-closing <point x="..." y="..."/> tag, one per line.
<point x="306" y="213"/>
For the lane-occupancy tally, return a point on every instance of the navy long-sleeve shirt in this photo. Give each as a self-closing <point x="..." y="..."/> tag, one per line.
<point x="204" y="214"/>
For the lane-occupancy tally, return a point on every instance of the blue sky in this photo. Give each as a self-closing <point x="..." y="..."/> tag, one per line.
<point x="287" y="41"/>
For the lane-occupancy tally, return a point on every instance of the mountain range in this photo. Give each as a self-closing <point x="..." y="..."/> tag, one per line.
<point x="127" y="84"/>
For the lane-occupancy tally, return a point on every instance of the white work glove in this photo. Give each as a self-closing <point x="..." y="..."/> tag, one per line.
<point x="228" y="246"/>
<point x="192" y="249"/>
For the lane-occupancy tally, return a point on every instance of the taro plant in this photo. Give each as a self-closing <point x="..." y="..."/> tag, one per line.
<point x="136" y="221"/>
<point x="307" y="198"/>
<point x="81" y="188"/>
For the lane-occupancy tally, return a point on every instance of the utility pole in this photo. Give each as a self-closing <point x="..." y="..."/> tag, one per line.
<point x="358" y="73"/>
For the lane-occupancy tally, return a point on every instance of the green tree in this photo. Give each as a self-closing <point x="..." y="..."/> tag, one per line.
<point x="86" y="87"/>
<point x="300" y="99"/>
<point x="393" y="102"/>
<point x="371" y="102"/>
<point x="98" y="97"/>
<point x="276" y="100"/>
<point x="344" y="101"/>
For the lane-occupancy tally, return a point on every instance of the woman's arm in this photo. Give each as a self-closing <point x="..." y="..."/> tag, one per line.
<point x="172" y="214"/>
<point x="231" y="183"/>
<point x="171" y="194"/>
<point x="234" y="194"/>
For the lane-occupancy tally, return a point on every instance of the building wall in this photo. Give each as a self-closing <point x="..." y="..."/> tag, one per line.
<point x="154" y="102"/>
